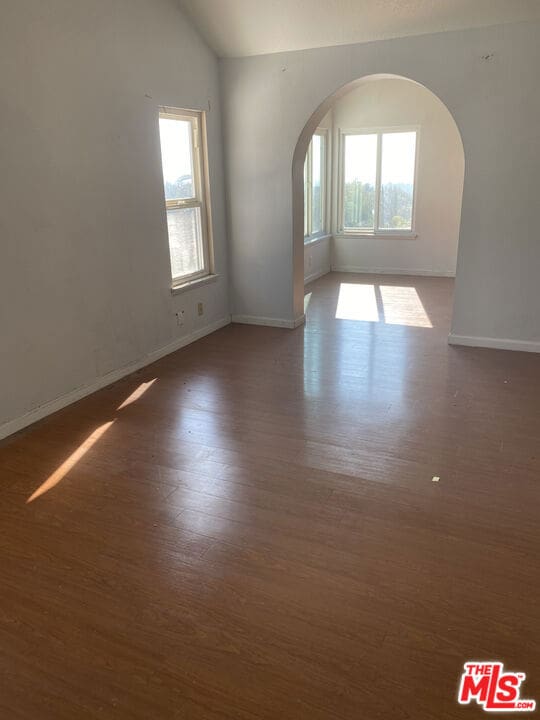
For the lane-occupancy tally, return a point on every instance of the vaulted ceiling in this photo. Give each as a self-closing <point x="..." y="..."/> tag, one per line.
<point x="237" y="28"/>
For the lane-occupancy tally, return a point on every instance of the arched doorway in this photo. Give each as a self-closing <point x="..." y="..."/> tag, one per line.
<point x="334" y="100"/>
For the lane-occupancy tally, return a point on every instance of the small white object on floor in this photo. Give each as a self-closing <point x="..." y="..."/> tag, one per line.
<point x="435" y="479"/>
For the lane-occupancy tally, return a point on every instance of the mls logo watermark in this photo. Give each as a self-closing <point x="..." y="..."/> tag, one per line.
<point x="487" y="684"/>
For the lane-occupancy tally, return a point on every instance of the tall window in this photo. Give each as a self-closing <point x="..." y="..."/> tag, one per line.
<point x="315" y="187"/>
<point x="184" y="178"/>
<point x="377" y="181"/>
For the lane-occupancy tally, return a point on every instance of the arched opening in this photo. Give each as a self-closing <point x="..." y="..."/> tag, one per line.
<point x="428" y="229"/>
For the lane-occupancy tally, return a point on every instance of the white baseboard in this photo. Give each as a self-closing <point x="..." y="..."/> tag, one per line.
<point x="392" y="271"/>
<point x="52" y="406"/>
<point x="268" y="322"/>
<point x="495" y="343"/>
<point x="316" y="275"/>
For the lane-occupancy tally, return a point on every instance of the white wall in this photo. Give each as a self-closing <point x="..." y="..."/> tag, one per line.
<point x="268" y="101"/>
<point x="439" y="181"/>
<point x="317" y="259"/>
<point x="84" y="270"/>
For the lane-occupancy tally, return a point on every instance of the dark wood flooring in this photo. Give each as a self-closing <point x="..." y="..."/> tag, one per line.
<point x="257" y="534"/>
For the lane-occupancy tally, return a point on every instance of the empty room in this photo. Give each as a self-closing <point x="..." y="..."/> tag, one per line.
<point x="269" y="359"/>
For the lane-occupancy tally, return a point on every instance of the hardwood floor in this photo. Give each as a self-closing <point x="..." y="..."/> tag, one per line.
<point x="256" y="534"/>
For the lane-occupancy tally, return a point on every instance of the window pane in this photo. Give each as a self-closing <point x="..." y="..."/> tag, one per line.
<point x="185" y="241"/>
<point x="397" y="180"/>
<point x="360" y="179"/>
<point x="317" y="185"/>
<point x="177" y="158"/>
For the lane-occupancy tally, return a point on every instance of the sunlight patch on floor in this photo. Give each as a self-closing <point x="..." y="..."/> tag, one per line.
<point x="357" y="302"/>
<point x="390" y="304"/>
<point x="70" y="463"/>
<point x="402" y="306"/>
<point x="136" y="394"/>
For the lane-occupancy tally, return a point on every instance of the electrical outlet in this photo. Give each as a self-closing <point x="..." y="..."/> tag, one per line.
<point x="180" y="318"/>
<point x="200" y="309"/>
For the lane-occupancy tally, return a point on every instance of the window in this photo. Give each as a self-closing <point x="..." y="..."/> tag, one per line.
<point x="377" y="185"/>
<point x="182" y="135"/>
<point x="315" y="187"/>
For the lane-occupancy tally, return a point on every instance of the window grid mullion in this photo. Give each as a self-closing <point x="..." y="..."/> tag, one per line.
<point x="376" y="220"/>
<point x="183" y="204"/>
<point x="324" y="172"/>
<point x="310" y="189"/>
<point x="341" y="183"/>
<point x="196" y="158"/>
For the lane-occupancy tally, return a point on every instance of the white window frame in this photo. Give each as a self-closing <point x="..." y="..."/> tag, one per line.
<point x="201" y="189"/>
<point x="376" y="231"/>
<point x="309" y="236"/>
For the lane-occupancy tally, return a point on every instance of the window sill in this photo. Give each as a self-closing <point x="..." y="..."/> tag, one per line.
<point x="316" y="240"/>
<point x="379" y="235"/>
<point x="192" y="284"/>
